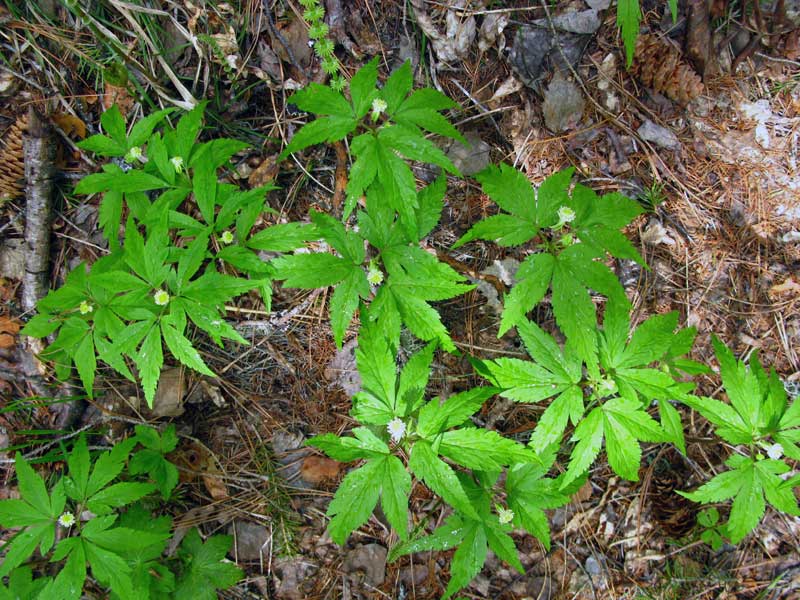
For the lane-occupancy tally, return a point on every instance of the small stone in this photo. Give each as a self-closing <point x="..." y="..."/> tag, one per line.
<point x="583" y="21"/>
<point x="472" y="158"/>
<point x="660" y="136"/>
<point x="369" y="562"/>
<point x="481" y="584"/>
<point x="563" y="105"/>
<point x="168" y="401"/>
<point x="251" y="540"/>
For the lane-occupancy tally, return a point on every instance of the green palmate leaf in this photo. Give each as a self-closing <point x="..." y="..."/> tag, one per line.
<point x="397" y="87"/>
<point x="445" y="537"/>
<point x="114" y="124"/>
<point x="413" y="146"/>
<point x="395" y="490"/>
<point x="589" y="435"/>
<point x="143" y="128"/>
<point x="149" y="361"/>
<point x="468" y="559"/>
<point x="362" y="87"/>
<point x="345" y="300"/>
<point x="309" y="271"/>
<point x="421" y="319"/>
<point x="102" y="145"/>
<point x="440" y="477"/>
<point x="568" y="406"/>
<point x="436" y="417"/>
<point x="354" y="501"/>
<point x="364" y="169"/>
<point x="347" y="449"/>
<point x="324" y="129"/>
<point x="650" y="341"/>
<point x="376" y="363"/>
<point x="413" y="381"/>
<point x="543" y="349"/>
<point x="205" y="568"/>
<point x="115" y="179"/>
<point x="482" y="450"/>
<point x="321" y="100"/>
<point x="86" y="363"/>
<point x="741" y="385"/>
<point x="524" y="381"/>
<point x="183" y="350"/>
<point x="532" y="280"/>
<point x="529" y="495"/>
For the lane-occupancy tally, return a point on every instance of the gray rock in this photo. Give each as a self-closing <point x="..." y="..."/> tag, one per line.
<point x="598" y="4"/>
<point x="531" y="46"/>
<point x="660" y="136"/>
<point x="563" y="105"/>
<point x="292" y="573"/>
<point x="367" y="561"/>
<point x="583" y="21"/>
<point x="251" y="540"/>
<point x="470" y="159"/>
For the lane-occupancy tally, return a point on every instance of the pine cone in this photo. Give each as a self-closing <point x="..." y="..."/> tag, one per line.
<point x="658" y="64"/>
<point x="12" y="167"/>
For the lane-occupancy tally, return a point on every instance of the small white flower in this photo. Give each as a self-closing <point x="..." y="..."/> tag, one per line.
<point x="135" y="154"/>
<point x="565" y="215"/>
<point x="177" y="163"/>
<point x="378" y="106"/>
<point x="504" y="515"/>
<point x="397" y="429"/>
<point x="607" y="387"/>
<point x="161" y="297"/>
<point x="775" y="451"/>
<point x="67" y="519"/>
<point x="85" y="308"/>
<point x="226" y="237"/>
<point x="374" y="275"/>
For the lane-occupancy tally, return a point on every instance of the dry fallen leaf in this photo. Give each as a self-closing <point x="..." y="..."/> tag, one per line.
<point x="317" y="469"/>
<point x="71" y="125"/>
<point x="264" y="173"/>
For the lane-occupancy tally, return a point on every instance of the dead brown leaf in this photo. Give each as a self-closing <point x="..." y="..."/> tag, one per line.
<point x="317" y="469"/>
<point x="71" y="125"/>
<point x="265" y="173"/>
<point x="119" y="96"/>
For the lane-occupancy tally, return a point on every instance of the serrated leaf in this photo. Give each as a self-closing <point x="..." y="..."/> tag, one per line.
<point x="436" y="417"/>
<point x="510" y="190"/>
<point x="422" y="320"/>
<point x="149" y="361"/>
<point x="440" y="477"/>
<point x="362" y="87"/>
<point x="553" y="422"/>
<point x="323" y="129"/>
<point x="413" y="146"/>
<point x="344" y="302"/>
<point x="114" y="124"/>
<point x="309" y="271"/>
<point x="118" y="495"/>
<point x="397" y="86"/>
<point x="206" y="568"/>
<point x="628" y="17"/>
<point x="525" y="381"/>
<point x="183" y="350"/>
<point x="444" y="537"/>
<point x="589" y="435"/>
<point x="321" y="100"/>
<point x="544" y="350"/>
<point x="482" y="449"/>
<point x="376" y="363"/>
<point x="467" y="559"/>
<point x="354" y="501"/>
<point x="395" y="490"/>
<point x="649" y="341"/>
<point x="86" y="363"/>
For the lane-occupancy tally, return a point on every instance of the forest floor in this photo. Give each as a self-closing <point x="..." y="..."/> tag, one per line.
<point x="718" y="171"/>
